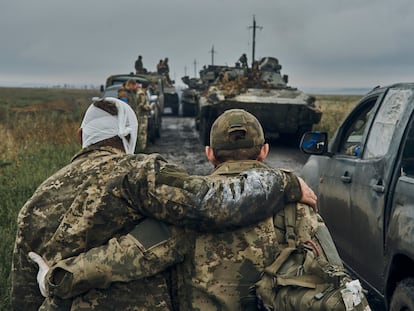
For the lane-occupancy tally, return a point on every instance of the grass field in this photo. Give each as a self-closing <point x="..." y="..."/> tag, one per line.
<point x="38" y="136"/>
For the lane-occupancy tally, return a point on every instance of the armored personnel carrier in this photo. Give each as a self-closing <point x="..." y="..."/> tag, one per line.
<point x="195" y="86"/>
<point x="284" y="112"/>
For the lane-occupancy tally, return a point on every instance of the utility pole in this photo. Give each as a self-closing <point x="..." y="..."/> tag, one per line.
<point x="195" y="68"/>
<point x="212" y="51"/>
<point x="254" y="37"/>
<point x="185" y="70"/>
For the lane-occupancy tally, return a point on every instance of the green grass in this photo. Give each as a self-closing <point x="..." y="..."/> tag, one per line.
<point x="18" y="181"/>
<point x="38" y="137"/>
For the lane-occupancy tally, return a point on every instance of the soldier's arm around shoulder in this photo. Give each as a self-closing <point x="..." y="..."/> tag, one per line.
<point x="165" y="191"/>
<point x="150" y="248"/>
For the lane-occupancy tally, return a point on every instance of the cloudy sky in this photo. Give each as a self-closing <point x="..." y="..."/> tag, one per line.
<point x="320" y="43"/>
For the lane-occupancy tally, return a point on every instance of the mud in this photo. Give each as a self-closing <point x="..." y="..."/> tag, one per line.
<point x="180" y="144"/>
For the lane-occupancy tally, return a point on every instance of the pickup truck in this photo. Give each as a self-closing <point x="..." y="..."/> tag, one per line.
<point x="364" y="179"/>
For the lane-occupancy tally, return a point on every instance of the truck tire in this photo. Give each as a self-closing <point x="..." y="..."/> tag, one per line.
<point x="403" y="297"/>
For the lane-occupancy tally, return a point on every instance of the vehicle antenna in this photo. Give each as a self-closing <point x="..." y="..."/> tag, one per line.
<point x="212" y="51"/>
<point x="195" y="68"/>
<point x="254" y="36"/>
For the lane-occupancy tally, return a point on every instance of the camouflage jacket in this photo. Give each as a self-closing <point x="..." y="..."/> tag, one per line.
<point x="104" y="193"/>
<point x="129" y="97"/>
<point x="220" y="268"/>
<point x="154" y="246"/>
<point x="142" y="105"/>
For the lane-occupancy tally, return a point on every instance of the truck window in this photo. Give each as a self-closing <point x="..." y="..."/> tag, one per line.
<point x="386" y="120"/>
<point x="407" y="160"/>
<point x="353" y="133"/>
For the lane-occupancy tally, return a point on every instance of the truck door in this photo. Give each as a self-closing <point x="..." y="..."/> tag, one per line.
<point x="338" y="177"/>
<point x="372" y="176"/>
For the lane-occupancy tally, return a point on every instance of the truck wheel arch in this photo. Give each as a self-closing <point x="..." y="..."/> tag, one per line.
<point x="403" y="296"/>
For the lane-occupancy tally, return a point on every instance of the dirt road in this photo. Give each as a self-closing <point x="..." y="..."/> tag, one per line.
<point x="179" y="143"/>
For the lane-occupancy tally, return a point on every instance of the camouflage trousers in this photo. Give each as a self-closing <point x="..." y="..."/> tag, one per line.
<point x="142" y="133"/>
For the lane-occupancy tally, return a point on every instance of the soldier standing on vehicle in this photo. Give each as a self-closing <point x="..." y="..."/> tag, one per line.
<point x="167" y="70"/>
<point x="160" y="67"/>
<point x="139" y="67"/>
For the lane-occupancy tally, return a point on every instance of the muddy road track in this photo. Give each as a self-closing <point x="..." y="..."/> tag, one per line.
<point x="179" y="143"/>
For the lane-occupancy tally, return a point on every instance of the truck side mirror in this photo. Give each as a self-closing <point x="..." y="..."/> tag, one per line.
<point x="314" y="143"/>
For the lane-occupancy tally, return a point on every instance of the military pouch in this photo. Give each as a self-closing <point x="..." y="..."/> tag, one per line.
<point x="308" y="274"/>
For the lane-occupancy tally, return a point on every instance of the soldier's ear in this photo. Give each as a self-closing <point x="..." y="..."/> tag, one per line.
<point x="210" y="155"/>
<point x="264" y="151"/>
<point x="80" y="135"/>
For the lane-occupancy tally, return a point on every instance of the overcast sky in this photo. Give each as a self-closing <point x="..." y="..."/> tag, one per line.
<point x="319" y="43"/>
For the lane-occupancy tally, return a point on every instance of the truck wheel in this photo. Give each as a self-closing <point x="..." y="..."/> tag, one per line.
<point x="403" y="297"/>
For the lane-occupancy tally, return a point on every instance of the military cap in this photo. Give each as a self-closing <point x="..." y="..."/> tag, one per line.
<point x="236" y="120"/>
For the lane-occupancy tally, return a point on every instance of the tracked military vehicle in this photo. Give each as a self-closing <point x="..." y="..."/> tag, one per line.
<point x="195" y="86"/>
<point x="284" y="112"/>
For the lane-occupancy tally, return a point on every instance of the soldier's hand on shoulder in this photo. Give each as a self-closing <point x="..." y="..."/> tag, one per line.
<point x="308" y="196"/>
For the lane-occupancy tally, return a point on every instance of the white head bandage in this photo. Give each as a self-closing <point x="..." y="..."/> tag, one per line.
<point x="98" y="125"/>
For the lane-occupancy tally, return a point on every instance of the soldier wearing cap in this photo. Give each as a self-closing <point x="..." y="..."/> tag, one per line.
<point x="213" y="271"/>
<point x="222" y="267"/>
<point x="128" y="93"/>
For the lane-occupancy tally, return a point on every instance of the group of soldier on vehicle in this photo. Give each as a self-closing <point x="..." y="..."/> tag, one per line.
<point x="163" y="67"/>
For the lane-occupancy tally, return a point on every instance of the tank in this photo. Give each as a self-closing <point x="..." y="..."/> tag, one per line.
<point x="195" y="86"/>
<point x="285" y="112"/>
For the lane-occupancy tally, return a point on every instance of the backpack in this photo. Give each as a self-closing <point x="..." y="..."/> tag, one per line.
<point x="308" y="273"/>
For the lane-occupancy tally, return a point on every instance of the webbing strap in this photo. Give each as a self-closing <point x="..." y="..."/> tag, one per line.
<point x="308" y="281"/>
<point x="290" y="224"/>
<point x="278" y="262"/>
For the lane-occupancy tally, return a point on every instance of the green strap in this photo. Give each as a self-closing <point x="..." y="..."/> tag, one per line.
<point x="280" y="259"/>
<point x="290" y="224"/>
<point x="308" y="281"/>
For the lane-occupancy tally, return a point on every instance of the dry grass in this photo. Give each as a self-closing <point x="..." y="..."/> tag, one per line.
<point x="334" y="110"/>
<point x="32" y="118"/>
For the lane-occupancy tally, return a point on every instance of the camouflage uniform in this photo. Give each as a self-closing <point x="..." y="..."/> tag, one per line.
<point x="212" y="276"/>
<point x="129" y="97"/>
<point x="104" y="193"/>
<point x="221" y="268"/>
<point x="142" y="110"/>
